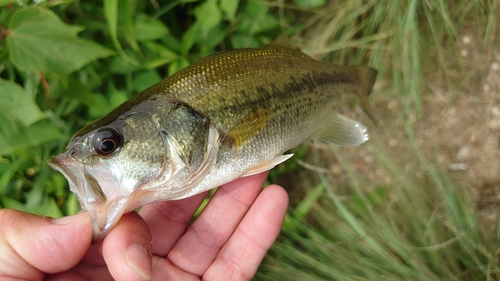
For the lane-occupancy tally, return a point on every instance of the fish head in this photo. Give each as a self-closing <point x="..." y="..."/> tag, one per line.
<point x="111" y="165"/>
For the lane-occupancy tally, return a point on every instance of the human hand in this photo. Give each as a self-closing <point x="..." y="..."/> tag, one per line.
<point x="227" y="241"/>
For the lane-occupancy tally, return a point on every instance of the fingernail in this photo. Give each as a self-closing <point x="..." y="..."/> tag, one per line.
<point x="138" y="260"/>
<point x="70" y="219"/>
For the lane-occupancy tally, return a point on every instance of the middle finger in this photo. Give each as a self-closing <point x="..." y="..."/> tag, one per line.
<point x="198" y="247"/>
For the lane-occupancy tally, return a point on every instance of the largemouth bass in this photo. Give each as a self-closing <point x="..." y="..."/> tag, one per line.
<point x="229" y="115"/>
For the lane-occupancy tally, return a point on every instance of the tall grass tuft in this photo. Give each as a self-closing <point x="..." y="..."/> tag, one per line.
<point x="404" y="40"/>
<point x="416" y="232"/>
<point x="421" y="226"/>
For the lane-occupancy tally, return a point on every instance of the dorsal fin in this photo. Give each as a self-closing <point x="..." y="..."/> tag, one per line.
<point x="282" y="41"/>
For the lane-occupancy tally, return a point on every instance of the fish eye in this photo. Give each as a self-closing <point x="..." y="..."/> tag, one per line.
<point x="106" y="141"/>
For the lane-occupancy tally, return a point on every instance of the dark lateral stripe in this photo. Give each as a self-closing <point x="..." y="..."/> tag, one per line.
<point x="305" y="84"/>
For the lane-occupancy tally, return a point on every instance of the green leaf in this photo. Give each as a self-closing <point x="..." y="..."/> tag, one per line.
<point x="14" y="137"/>
<point x="127" y="10"/>
<point x="177" y="65"/>
<point x="40" y="41"/>
<point x="116" y="97"/>
<point x="148" y="29"/>
<point x="229" y="8"/>
<point x="162" y="55"/>
<point x="6" y="2"/>
<point x="256" y="18"/>
<point x="100" y="105"/>
<point x="120" y="65"/>
<point x="14" y="204"/>
<point x="17" y="104"/>
<point x="208" y="15"/>
<point x="111" y="13"/>
<point x="35" y="196"/>
<point x="71" y="205"/>
<point x="97" y="103"/>
<point x="189" y="37"/>
<point x="155" y="63"/>
<point x="49" y="208"/>
<point x="145" y="80"/>
<point x="215" y="36"/>
<point x="171" y="42"/>
<point x="312" y="4"/>
<point x="245" y="41"/>
<point x="305" y="206"/>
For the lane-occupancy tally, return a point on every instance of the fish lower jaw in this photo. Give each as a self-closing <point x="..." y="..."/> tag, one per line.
<point x="106" y="216"/>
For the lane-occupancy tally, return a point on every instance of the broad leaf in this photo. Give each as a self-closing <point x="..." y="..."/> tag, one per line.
<point x="148" y="29"/>
<point x="6" y="2"/>
<point x="162" y="55"/>
<point x="208" y="15"/>
<point x="256" y="18"/>
<point x="122" y="65"/>
<point x="14" y="204"/>
<point x="97" y="103"/>
<point x="14" y="136"/>
<point x="116" y="97"/>
<point x="229" y="7"/>
<point x="189" y="37"/>
<point x="40" y="41"/>
<point x="145" y="80"/>
<point x="127" y="26"/>
<point x="111" y="13"/>
<point x="17" y="104"/>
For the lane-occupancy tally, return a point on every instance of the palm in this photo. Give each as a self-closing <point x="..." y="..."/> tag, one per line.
<point x="226" y="242"/>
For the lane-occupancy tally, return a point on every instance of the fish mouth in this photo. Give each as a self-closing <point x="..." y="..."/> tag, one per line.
<point x="97" y="196"/>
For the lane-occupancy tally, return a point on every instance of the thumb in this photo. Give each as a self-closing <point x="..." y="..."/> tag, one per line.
<point x="32" y="245"/>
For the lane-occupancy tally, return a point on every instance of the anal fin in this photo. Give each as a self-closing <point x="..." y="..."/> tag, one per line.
<point x="268" y="165"/>
<point x="342" y="131"/>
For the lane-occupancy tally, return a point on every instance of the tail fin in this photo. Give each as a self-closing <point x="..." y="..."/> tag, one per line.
<point x="366" y="79"/>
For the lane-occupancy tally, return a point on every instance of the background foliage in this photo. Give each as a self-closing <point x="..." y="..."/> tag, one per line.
<point x="66" y="63"/>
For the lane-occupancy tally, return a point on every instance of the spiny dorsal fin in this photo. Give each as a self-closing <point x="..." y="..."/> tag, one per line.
<point x="342" y="131"/>
<point x="282" y="41"/>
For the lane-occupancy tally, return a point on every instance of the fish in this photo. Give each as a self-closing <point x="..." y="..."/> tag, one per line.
<point x="229" y="115"/>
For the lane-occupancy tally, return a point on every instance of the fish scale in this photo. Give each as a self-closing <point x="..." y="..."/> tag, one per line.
<point x="231" y="114"/>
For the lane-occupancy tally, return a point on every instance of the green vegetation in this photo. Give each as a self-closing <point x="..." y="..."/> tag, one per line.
<point x="65" y="63"/>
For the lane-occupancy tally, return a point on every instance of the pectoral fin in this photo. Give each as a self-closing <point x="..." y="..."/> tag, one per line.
<point x="268" y="165"/>
<point x="246" y="128"/>
<point x="342" y="131"/>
